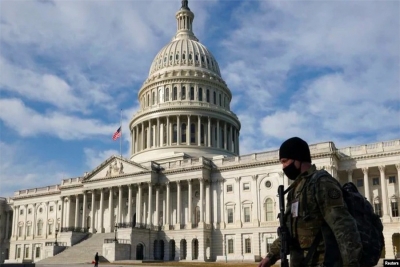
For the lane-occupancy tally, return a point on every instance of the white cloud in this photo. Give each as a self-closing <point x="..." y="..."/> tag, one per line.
<point x="94" y="158"/>
<point x="28" y="122"/>
<point x="19" y="170"/>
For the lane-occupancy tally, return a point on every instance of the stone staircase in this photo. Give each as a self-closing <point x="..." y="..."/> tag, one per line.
<point x="82" y="252"/>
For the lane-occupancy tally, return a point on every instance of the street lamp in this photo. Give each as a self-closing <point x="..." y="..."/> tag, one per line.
<point x="115" y="231"/>
<point x="55" y="243"/>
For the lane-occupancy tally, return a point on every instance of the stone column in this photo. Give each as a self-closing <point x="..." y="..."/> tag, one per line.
<point x="150" y="217"/>
<point x="119" y="216"/>
<point x="132" y="142"/>
<point x="76" y="211"/>
<point x="385" y="208"/>
<point x="111" y="209"/>
<point x="366" y="183"/>
<point x="7" y="224"/>
<point x="167" y="214"/>
<point x="238" y="207"/>
<point x="349" y="175"/>
<point x="237" y="142"/>
<point x="46" y="227"/>
<point x="137" y="139"/>
<point x="188" y="131"/>
<point x="168" y="133"/>
<point x="34" y="223"/>
<point x="209" y="132"/>
<point x="157" y="219"/>
<point x="139" y="205"/>
<point x="92" y="230"/>
<point x="26" y="214"/>
<point x="178" y="205"/>
<point x="148" y="134"/>
<point x="84" y="210"/>
<point x="231" y="146"/>
<point x="225" y="137"/>
<point x="201" y="223"/>
<point x="67" y="221"/>
<point x="189" y="224"/>
<point x="101" y="211"/>
<point x="178" y="131"/>
<point x="158" y="133"/>
<point x="218" y="136"/>
<point x="129" y="203"/>
<point x="222" y="208"/>
<point x="14" y="221"/>
<point x="214" y="188"/>
<point x="255" y="206"/>
<point x="143" y="146"/>
<point x="208" y="206"/>
<point x="199" y="130"/>
<point x="61" y="203"/>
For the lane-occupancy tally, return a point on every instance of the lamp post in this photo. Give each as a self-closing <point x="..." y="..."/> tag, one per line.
<point x="115" y="231"/>
<point x="55" y="243"/>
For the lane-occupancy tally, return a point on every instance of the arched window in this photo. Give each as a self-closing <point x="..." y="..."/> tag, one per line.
<point x="269" y="210"/>
<point x="190" y="56"/>
<point x="220" y="100"/>
<point x="167" y="94"/>
<point x="192" y="133"/>
<point x="183" y="132"/>
<point x="183" y="56"/>
<point x="164" y="134"/>
<point x="151" y="137"/>
<point x="197" y="57"/>
<point x="208" y="96"/>
<point x="148" y="99"/>
<point x="160" y="95"/>
<point x="183" y="92"/>
<point x="154" y="97"/>
<point x="174" y="134"/>
<point x="176" y="57"/>
<point x="200" y="94"/>
<point x="215" y="97"/>
<point x="175" y="94"/>
<point x="191" y="93"/>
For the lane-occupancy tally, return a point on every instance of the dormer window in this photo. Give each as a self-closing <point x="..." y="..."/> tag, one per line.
<point x="190" y="56"/>
<point x="183" y="56"/>
<point x="176" y="57"/>
<point x="197" y="58"/>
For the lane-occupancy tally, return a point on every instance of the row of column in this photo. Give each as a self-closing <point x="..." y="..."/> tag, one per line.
<point x="6" y="229"/>
<point x="154" y="133"/>
<point x="140" y="208"/>
<point x="383" y="186"/>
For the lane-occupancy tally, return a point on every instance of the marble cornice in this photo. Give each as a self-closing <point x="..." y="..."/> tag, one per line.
<point x="369" y="156"/>
<point x="36" y="195"/>
<point x="118" y="177"/>
<point x="185" y="169"/>
<point x="71" y="186"/>
<point x="186" y="107"/>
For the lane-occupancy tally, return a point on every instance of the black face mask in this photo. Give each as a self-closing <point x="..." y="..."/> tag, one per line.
<point x="291" y="171"/>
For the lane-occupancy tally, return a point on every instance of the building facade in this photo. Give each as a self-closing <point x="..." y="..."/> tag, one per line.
<point x="185" y="193"/>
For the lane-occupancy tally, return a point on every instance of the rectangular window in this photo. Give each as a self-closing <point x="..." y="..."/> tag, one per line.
<point x="392" y="179"/>
<point x="375" y="181"/>
<point x="215" y="97"/>
<point x="28" y="230"/>
<point x="360" y="182"/>
<point x="395" y="209"/>
<point x="175" y="94"/>
<point x="191" y="93"/>
<point x="19" y="231"/>
<point x="220" y="100"/>
<point x="50" y="229"/>
<point x="37" y="252"/>
<point x="208" y="96"/>
<point x="183" y="93"/>
<point x="377" y="207"/>
<point x="247" y="245"/>
<point x="51" y="208"/>
<point x="59" y="207"/>
<point x="18" y="252"/>
<point x="230" y="246"/>
<point x="246" y="186"/>
<point x="230" y="215"/>
<point x="167" y="94"/>
<point x="229" y="188"/>
<point x="21" y="212"/>
<point x="27" y="252"/>
<point x="29" y="211"/>
<point x="246" y="214"/>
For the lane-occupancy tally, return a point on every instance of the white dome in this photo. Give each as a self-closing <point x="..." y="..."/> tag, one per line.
<point x="184" y="53"/>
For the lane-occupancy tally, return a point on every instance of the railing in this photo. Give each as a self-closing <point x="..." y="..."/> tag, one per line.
<point x="119" y="241"/>
<point x="60" y="244"/>
<point x="370" y="148"/>
<point x="75" y="229"/>
<point x="51" y="188"/>
<point x="70" y="181"/>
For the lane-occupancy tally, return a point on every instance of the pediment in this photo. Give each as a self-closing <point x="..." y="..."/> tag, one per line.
<point x="113" y="167"/>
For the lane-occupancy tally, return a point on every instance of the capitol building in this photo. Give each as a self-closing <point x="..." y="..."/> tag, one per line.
<point x="185" y="193"/>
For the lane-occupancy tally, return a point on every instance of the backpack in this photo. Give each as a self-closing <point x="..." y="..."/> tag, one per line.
<point x="369" y="224"/>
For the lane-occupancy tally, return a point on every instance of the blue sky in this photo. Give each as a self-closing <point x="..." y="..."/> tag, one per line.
<point x="321" y="70"/>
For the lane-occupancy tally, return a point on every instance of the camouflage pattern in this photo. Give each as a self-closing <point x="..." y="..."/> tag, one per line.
<point x="326" y="204"/>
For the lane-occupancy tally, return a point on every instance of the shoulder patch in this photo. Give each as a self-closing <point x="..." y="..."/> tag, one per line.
<point x="334" y="193"/>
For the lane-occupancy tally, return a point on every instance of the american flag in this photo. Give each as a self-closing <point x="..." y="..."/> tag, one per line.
<point x="117" y="134"/>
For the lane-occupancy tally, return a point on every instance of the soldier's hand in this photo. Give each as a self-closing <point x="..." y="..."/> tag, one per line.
<point x="265" y="263"/>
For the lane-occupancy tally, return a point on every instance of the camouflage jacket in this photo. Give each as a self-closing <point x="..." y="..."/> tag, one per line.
<point x="310" y="209"/>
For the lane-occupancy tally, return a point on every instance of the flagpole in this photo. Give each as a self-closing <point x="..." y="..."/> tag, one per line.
<point x="120" y="139"/>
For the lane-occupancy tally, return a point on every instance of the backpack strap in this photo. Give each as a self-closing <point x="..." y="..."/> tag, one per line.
<point x="313" y="248"/>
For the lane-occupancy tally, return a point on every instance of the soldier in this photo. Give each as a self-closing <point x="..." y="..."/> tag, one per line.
<point x="314" y="213"/>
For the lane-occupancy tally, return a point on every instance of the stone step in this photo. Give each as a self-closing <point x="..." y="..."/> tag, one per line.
<point x="82" y="252"/>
